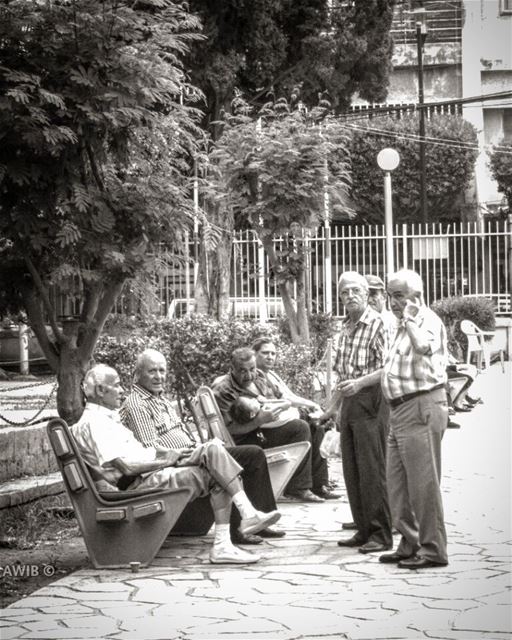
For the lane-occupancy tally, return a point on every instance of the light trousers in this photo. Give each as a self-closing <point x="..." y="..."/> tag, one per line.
<point x="413" y="471"/>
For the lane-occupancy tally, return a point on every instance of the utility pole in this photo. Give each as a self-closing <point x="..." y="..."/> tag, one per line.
<point x="421" y="36"/>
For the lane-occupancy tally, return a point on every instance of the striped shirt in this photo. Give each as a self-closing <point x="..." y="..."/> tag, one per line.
<point x="406" y="371"/>
<point x="153" y="420"/>
<point x="361" y="346"/>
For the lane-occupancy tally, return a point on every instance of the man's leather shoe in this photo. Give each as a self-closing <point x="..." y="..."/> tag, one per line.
<point x="349" y="526"/>
<point x="272" y="533"/>
<point x="258" y="521"/>
<point x="373" y="546"/>
<point x="393" y="558"/>
<point x="303" y="495"/>
<point x="417" y="562"/>
<point x="325" y="493"/>
<point x="247" y="538"/>
<point x="354" y="541"/>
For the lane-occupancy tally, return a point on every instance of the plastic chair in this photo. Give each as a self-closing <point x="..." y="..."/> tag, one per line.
<point x="282" y="461"/>
<point x="477" y="344"/>
<point x="119" y="527"/>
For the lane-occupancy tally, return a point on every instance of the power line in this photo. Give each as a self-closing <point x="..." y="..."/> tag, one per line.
<point x="428" y="105"/>
<point x="444" y="142"/>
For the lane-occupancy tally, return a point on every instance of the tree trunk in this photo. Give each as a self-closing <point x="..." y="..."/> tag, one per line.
<point x="213" y="278"/>
<point x="70" y="399"/>
<point x="302" y="312"/>
<point x="297" y="319"/>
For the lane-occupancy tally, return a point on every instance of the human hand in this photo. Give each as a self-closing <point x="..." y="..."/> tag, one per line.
<point x="175" y="456"/>
<point x="268" y="414"/>
<point x="411" y="309"/>
<point x="349" y="387"/>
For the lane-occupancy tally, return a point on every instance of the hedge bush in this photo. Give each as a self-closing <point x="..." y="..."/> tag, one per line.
<point x="454" y="309"/>
<point x="197" y="349"/>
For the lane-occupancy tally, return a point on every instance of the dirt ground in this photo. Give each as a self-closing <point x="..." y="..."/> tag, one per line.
<point x="37" y="547"/>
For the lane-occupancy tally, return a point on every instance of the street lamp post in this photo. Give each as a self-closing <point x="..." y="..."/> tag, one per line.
<point x="421" y="35"/>
<point x="388" y="160"/>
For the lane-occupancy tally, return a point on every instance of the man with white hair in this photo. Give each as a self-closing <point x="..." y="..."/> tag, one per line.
<point x="152" y="419"/>
<point x="413" y="382"/>
<point x="114" y="455"/>
<point x="363" y="433"/>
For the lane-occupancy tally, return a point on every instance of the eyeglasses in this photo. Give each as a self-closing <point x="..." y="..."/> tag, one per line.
<point x="355" y="291"/>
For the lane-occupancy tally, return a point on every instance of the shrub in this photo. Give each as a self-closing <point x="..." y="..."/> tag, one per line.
<point x="197" y="350"/>
<point x="454" y="309"/>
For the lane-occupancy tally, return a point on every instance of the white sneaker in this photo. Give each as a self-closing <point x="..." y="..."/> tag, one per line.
<point x="229" y="554"/>
<point x="258" y="522"/>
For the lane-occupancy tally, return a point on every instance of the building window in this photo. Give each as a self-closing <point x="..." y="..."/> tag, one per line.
<point x="505" y="6"/>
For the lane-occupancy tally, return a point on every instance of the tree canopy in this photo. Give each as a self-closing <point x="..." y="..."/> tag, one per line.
<point x="451" y="151"/>
<point x="273" y="175"/>
<point x="267" y="46"/>
<point x="501" y="168"/>
<point x="96" y="137"/>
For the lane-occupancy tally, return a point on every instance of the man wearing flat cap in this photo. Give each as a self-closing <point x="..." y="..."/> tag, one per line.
<point x="377" y="300"/>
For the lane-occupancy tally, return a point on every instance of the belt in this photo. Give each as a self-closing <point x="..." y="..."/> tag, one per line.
<point x="394" y="402"/>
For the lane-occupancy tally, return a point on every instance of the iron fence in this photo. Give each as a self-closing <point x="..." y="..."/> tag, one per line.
<point x="469" y="259"/>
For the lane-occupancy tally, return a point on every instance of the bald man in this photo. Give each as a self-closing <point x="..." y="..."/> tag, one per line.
<point x="154" y="422"/>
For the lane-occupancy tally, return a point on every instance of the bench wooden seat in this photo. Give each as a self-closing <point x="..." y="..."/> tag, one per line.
<point x="118" y="527"/>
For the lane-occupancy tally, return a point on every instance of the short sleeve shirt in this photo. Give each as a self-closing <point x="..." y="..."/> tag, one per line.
<point x="101" y="438"/>
<point x="361" y="346"/>
<point x="405" y="370"/>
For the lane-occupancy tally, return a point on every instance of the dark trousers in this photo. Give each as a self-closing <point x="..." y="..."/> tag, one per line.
<point x="255" y="479"/>
<point x="363" y="454"/>
<point x="293" y="431"/>
<point x="319" y="468"/>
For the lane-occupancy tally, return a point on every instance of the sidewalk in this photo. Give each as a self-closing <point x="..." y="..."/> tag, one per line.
<point x="305" y="586"/>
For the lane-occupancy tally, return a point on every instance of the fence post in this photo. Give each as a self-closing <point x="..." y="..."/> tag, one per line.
<point x="24" y="357"/>
<point x="328" y="268"/>
<point x="405" y="251"/>
<point x="262" y="303"/>
<point x="328" y="370"/>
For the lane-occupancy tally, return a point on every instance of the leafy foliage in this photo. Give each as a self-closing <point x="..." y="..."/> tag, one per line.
<point x="501" y="168"/>
<point x="456" y="308"/>
<point x="265" y="48"/>
<point x="448" y="168"/>
<point x="273" y="176"/>
<point x="197" y="349"/>
<point x="95" y="155"/>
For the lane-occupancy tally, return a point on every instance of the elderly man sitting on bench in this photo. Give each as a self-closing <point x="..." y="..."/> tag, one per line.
<point x="114" y="455"/>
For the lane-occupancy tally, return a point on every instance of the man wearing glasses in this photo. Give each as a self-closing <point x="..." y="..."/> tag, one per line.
<point x="359" y="361"/>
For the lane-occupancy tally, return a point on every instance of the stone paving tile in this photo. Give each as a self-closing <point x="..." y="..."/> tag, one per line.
<point x="306" y="587"/>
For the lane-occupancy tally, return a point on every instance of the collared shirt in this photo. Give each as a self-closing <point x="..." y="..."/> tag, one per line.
<point x="226" y="390"/>
<point x="405" y="370"/>
<point x="101" y="437"/>
<point x="153" y="420"/>
<point x="361" y="346"/>
<point x="390" y="322"/>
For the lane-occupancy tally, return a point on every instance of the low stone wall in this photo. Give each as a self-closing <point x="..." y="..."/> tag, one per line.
<point x="25" y="451"/>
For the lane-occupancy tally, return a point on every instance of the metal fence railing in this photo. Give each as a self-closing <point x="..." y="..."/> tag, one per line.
<point x="470" y="259"/>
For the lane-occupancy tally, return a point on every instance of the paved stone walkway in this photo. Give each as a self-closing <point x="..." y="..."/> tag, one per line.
<point x="305" y="586"/>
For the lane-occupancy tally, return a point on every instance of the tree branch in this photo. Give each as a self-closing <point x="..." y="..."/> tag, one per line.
<point x="45" y="299"/>
<point x="95" y="326"/>
<point x="36" y="321"/>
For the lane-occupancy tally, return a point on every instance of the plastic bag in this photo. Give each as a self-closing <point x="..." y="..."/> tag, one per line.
<point x="331" y="444"/>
